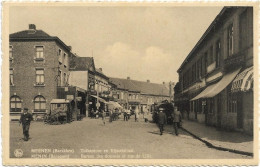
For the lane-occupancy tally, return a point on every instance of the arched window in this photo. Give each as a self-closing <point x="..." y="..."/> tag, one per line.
<point x="39" y="104"/>
<point x="15" y="104"/>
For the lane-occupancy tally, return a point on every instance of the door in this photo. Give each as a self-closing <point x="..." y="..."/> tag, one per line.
<point x="238" y="107"/>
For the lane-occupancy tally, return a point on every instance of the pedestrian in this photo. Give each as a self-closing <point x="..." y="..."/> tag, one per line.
<point x="25" y="120"/>
<point x="110" y="114"/>
<point x="92" y="113"/>
<point x="103" y="116"/>
<point x="125" y="115"/>
<point x="161" y="120"/>
<point x="176" y="115"/>
<point x="136" y="114"/>
<point x="128" y="113"/>
<point x="145" y="115"/>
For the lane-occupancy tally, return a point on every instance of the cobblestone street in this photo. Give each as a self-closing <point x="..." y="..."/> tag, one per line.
<point x="126" y="139"/>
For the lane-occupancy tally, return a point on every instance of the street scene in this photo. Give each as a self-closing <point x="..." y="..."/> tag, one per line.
<point x="131" y="82"/>
<point x="131" y="138"/>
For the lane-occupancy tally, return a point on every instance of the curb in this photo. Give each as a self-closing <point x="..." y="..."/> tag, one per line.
<point x="218" y="147"/>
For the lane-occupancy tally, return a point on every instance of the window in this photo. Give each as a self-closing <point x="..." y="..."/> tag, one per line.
<point x="59" y="78"/>
<point x="15" y="104"/>
<point x="39" y="104"/>
<point x="230" y="40"/>
<point x="232" y="103"/>
<point x="39" y="76"/>
<point x="65" y="59"/>
<point x="206" y="63"/>
<point x="59" y="56"/>
<point x="11" y="76"/>
<point x="11" y="53"/>
<point x="39" y="53"/>
<point x="211" y="56"/>
<point x="243" y="30"/>
<point x="64" y="79"/>
<point x="201" y="67"/>
<point x="218" y="52"/>
<point x="122" y="95"/>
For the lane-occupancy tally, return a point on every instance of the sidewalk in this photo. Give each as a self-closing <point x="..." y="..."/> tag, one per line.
<point x="220" y="139"/>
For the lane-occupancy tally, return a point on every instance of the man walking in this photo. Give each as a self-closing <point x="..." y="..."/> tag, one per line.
<point x="161" y="120"/>
<point x="176" y="120"/>
<point x="25" y="119"/>
<point x="125" y="115"/>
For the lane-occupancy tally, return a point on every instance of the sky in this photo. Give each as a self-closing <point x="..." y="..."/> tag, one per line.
<point x="140" y="42"/>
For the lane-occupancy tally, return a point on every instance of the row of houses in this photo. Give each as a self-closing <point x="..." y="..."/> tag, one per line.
<point x="215" y="84"/>
<point x="43" y="67"/>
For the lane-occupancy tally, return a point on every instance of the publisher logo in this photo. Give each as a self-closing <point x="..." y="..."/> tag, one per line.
<point x="18" y="153"/>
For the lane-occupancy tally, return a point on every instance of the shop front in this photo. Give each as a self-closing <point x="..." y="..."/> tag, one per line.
<point x="212" y="101"/>
<point x="78" y="98"/>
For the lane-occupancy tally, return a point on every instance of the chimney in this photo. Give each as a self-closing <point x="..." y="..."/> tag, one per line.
<point x="163" y="83"/>
<point x="148" y="81"/>
<point x="128" y="78"/>
<point x="70" y="47"/>
<point x="32" y="27"/>
<point x="100" y="69"/>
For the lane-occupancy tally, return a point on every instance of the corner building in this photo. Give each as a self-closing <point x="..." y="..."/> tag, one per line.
<point x="216" y="78"/>
<point x="39" y="64"/>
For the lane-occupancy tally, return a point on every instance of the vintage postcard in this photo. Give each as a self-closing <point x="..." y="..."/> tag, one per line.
<point x="130" y="83"/>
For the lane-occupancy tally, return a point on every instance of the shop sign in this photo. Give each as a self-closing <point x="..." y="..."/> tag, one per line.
<point x="66" y="89"/>
<point x="70" y="97"/>
<point x="98" y="104"/>
<point x="204" y="103"/>
<point x="90" y="102"/>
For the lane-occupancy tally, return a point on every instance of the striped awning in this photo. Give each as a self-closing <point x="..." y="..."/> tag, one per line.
<point x="243" y="81"/>
<point x="213" y="90"/>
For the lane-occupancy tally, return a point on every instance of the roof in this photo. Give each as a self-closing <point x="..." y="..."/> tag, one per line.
<point x="30" y="34"/>
<point x="34" y="34"/>
<point x="141" y="86"/>
<point x="81" y="63"/>
<point x="207" y="32"/>
<point x="100" y="73"/>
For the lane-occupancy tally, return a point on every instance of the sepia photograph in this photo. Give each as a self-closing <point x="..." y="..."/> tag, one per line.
<point x="128" y="83"/>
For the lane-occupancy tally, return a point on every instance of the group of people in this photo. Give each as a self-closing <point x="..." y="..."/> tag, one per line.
<point x="176" y="118"/>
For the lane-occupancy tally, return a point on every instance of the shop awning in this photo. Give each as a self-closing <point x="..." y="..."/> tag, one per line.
<point x="112" y="105"/>
<point x="99" y="99"/>
<point x="243" y="81"/>
<point x="216" y="88"/>
<point x="59" y="101"/>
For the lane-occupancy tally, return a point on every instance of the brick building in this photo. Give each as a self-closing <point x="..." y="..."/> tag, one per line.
<point x="39" y="63"/>
<point x="216" y="78"/>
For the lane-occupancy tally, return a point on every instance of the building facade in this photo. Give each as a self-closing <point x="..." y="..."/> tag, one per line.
<point x="131" y="93"/>
<point x="216" y="79"/>
<point x="39" y="63"/>
<point x="82" y="75"/>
